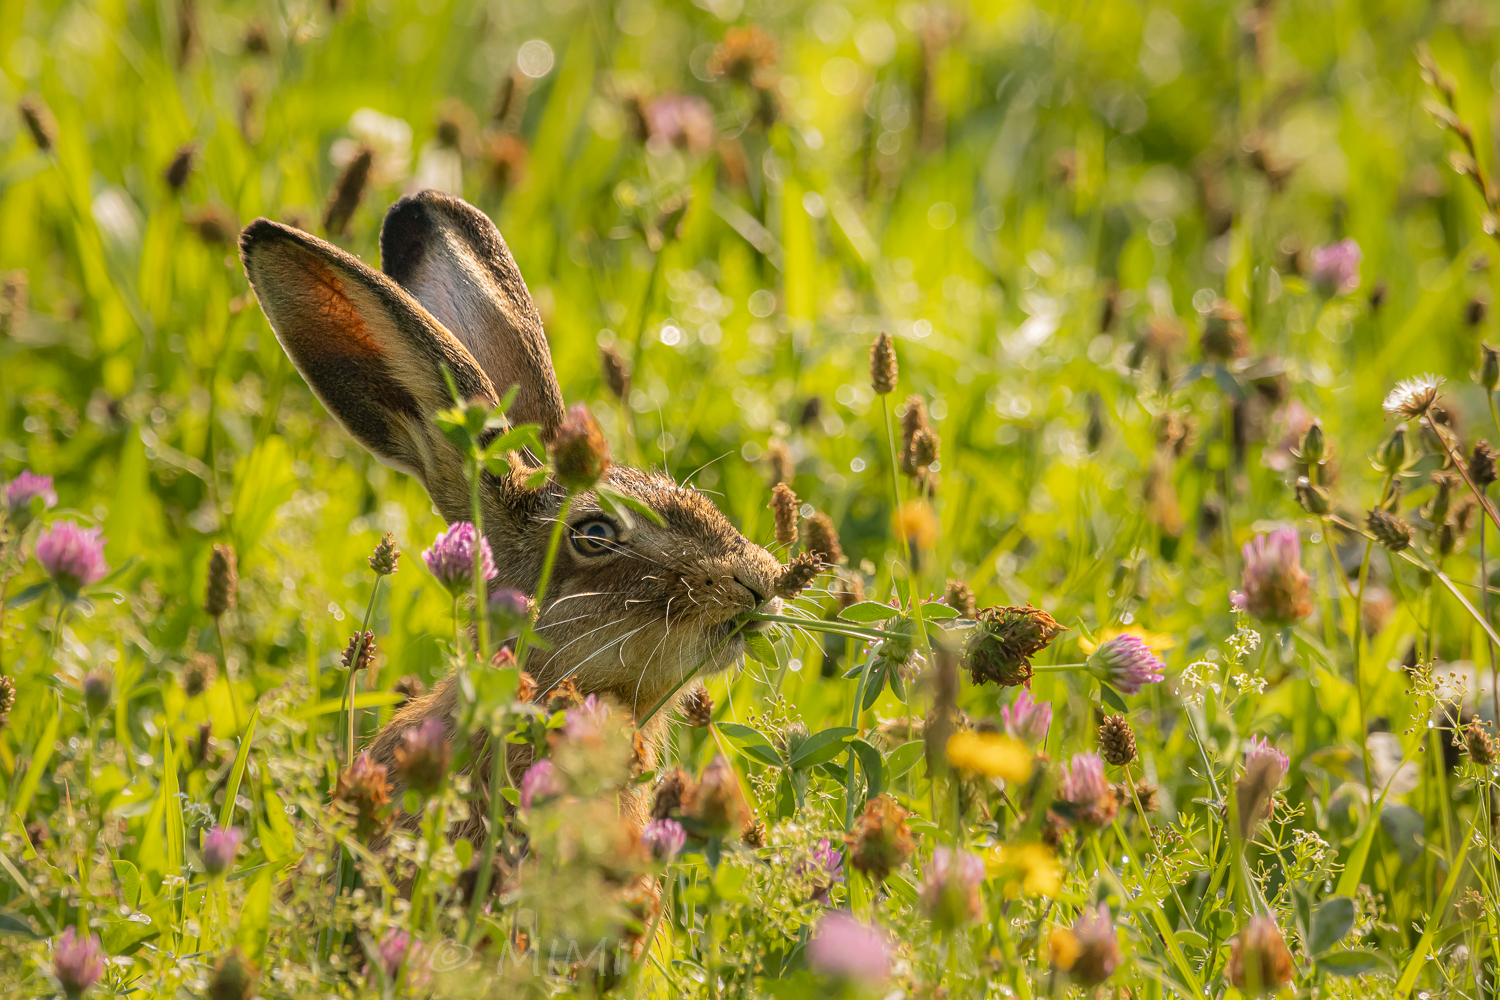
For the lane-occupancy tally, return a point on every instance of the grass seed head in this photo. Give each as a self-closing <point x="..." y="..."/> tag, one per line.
<point x="848" y="588"/>
<point x="1116" y="740"/>
<point x="181" y="167"/>
<point x="348" y="192"/>
<point x="360" y="652"/>
<point x="883" y="367"/>
<point x="959" y="596"/>
<point x="820" y="538"/>
<point x="784" y="507"/>
<point x="386" y="556"/>
<point x="1479" y="744"/>
<point x="39" y="121"/>
<point x="798" y="574"/>
<point x="674" y="787"/>
<point x="410" y="687"/>
<point x="223" y="581"/>
<point x="698" y="707"/>
<point x="616" y="376"/>
<point x="746" y="55"/>
<point x="199" y="674"/>
<point x="215" y="225"/>
<point x="7" y="698"/>
<point x="1224" y="336"/>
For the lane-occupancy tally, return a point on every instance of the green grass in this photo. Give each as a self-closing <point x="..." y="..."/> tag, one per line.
<point x="986" y="183"/>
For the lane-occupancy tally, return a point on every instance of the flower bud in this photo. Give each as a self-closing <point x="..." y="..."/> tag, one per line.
<point x="1258" y="958"/>
<point x="579" y="451"/>
<point x="77" y="963"/>
<point x="1090" y="951"/>
<point x="1313" y="444"/>
<point x="1392" y="455"/>
<point x="1482" y="465"/>
<point x="364" y="791"/>
<point x="1312" y="498"/>
<point x="664" y="839"/>
<point x="950" y="892"/>
<point x="219" y="848"/>
<point x="422" y="757"/>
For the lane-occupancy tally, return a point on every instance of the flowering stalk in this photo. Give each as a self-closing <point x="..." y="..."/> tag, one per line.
<point x="351" y="681"/>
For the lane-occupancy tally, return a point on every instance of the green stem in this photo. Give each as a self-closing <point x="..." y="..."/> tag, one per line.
<point x="349" y="683"/>
<point x="481" y="585"/>
<point x="487" y="857"/>
<point x="553" y="544"/>
<point x="859" y="700"/>
<point x="824" y="625"/>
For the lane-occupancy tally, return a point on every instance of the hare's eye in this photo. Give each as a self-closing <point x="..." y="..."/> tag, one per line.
<point x="594" y="538"/>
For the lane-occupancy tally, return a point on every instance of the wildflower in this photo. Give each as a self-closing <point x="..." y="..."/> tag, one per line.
<point x="824" y="868"/>
<point x="844" y="948"/>
<point x="509" y="609"/>
<point x="410" y="687"/>
<point x="1159" y="642"/>
<point x="715" y="805"/>
<point x="98" y="687"/>
<point x="364" y="790"/>
<point x="950" y="893"/>
<point x="1001" y="648"/>
<point x="1276" y="587"/>
<point x="233" y="978"/>
<point x="586" y="721"/>
<point x="7" y="698"/>
<point x="1392" y="455"/>
<point x="360" y="651"/>
<point x="1259" y="961"/>
<point x="1335" y="267"/>
<point x="1389" y="530"/>
<point x="682" y="120"/>
<point x="1090" y="951"/>
<point x="72" y="556"/>
<point x="1489" y="367"/>
<point x="541" y="780"/>
<point x="698" y="707"/>
<point x="451" y="558"/>
<point x="616" y="376"/>
<point x="745" y="55"/>
<point x="1031" y="867"/>
<point x="1478" y="743"/>
<point x="348" y="192"/>
<point x="223" y="581"/>
<point x="39" y="121"/>
<point x="77" y="963"/>
<point x="20" y="493"/>
<point x="423" y="756"/>
<point x="919" y="444"/>
<point x="670" y="792"/>
<point x="1126" y="663"/>
<point x="385" y="557"/>
<point x="1482" y="465"/>
<point x="664" y="838"/>
<point x="797" y="575"/>
<point x="393" y="951"/>
<point x="883" y="367"/>
<point x="220" y="845"/>
<point x="1116" y="740"/>
<point x="916" y="522"/>
<point x="1413" y="397"/>
<point x="821" y="539"/>
<point x="1224" y="337"/>
<point x="1084" y="796"/>
<point x="959" y="596"/>
<point x="784" y="507"/>
<point x="880" y="841"/>
<point x="579" y="452"/>
<point x="991" y="754"/>
<point x="1026" y="719"/>
<point x="1265" y="767"/>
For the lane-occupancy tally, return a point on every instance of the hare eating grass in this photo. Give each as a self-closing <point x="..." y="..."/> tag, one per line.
<point x="630" y="609"/>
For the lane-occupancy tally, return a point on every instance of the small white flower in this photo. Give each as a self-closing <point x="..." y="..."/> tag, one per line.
<point x="1413" y="397"/>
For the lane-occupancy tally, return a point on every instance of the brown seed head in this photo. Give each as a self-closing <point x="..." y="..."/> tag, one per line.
<point x="214" y="224"/>
<point x="1116" y="740"/>
<point x="880" y="841"/>
<point x="779" y="458"/>
<point x="386" y="556"/>
<point x="1482" y="465"/>
<point x="364" y="792"/>
<point x="234" y="977"/>
<point x="1001" y="648"/>
<point x="1390" y="530"/>
<point x="177" y="172"/>
<point x="580" y="454"/>
<point x="883" y="368"/>
<point x="7" y="698"/>
<point x="716" y="805"/>
<point x="1224" y="336"/>
<point x="960" y="597"/>
<point x="348" y="192"/>
<point x="199" y="674"/>
<point x="39" y="121"/>
<point x="1480" y="745"/>
<point x="754" y="835"/>
<point x="784" y="506"/>
<point x="360" y="651"/>
<point x="797" y="575"/>
<point x="616" y="376"/>
<point x="223" y="581"/>
<point x="674" y="786"/>
<point x="255" y="41"/>
<point x="820" y="538"/>
<point x="698" y="707"/>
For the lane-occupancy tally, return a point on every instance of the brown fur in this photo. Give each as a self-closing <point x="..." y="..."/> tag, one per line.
<point x="629" y="624"/>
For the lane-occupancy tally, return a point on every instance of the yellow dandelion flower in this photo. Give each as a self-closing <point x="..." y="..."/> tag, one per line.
<point x="1032" y="868"/>
<point x="918" y="524"/>
<point x="990" y="754"/>
<point x="1064" y="947"/>
<point x="1158" y="641"/>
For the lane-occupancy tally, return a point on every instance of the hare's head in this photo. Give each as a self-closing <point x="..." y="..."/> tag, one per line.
<point x="630" y="607"/>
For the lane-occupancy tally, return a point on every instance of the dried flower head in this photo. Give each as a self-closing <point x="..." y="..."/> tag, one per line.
<point x="1389" y="530"/>
<point x="1026" y="719"/>
<point x="215" y="224"/>
<point x="25" y="495"/>
<point x="580" y="454"/>
<point x="386" y="556"/>
<point x="1413" y="397"/>
<point x="223" y="581"/>
<point x="348" y="192"/>
<point x="72" y="556"/>
<point x="1116" y="740"/>
<point x="39" y="121"/>
<point x="844" y="948"/>
<point x="77" y="962"/>
<point x="1084" y="796"/>
<point x="949" y="894"/>
<point x="7" y="698"/>
<point x="423" y="756"/>
<point x="698" y="707"/>
<point x="1276" y="587"/>
<point x="360" y="651"/>
<point x="451" y="558"/>
<point x="797" y="575"/>
<point x="220" y="845"/>
<point x="883" y="367"/>
<point x="1479" y="744"/>
<point x="616" y="375"/>
<point x="880" y="841"/>
<point x="1265" y="768"/>
<point x="959" y="596"/>
<point x="1090" y="951"/>
<point x="820" y="538"/>
<point x="1335" y="267"/>
<point x="784" y="507"/>
<point x="233" y="978"/>
<point x="364" y="792"/>
<point x="746" y="55"/>
<point x="540" y="782"/>
<point x="1224" y="337"/>
<point x="715" y="806"/>
<point x="1000" y="649"/>
<point x="1259" y="961"/>
<point x="664" y="839"/>
<point x="1482" y="467"/>
<point x="410" y="687"/>
<point x="673" y="787"/>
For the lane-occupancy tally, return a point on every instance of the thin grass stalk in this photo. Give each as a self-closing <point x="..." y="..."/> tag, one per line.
<point x="548" y="561"/>
<point x="911" y="573"/>
<point x="234" y="694"/>
<point x="859" y="700"/>
<point x="481" y="585"/>
<point x="487" y="856"/>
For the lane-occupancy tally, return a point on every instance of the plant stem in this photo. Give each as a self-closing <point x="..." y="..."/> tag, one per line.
<point x="349" y="684"/>
<point x="824" y="625"/>
<point x="545" y="578"/>
<point x="481" y="585"/>
<point x="487" y="856"/>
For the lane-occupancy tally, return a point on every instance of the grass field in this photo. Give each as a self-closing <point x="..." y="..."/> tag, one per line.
<point x="1152" y="274"/>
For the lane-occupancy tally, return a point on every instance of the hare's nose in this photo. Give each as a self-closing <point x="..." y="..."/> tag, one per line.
<point x="759" y="597"/>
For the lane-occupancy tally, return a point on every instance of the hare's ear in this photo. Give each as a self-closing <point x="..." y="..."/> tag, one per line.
<point x="372" y="354"/>
<point x="450" y="256"/>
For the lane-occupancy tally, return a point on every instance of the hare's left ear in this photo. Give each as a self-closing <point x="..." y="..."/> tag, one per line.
<point x="452" y="259"/>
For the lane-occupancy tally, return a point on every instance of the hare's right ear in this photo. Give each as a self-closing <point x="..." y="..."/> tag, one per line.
<point x="372" y="354"/>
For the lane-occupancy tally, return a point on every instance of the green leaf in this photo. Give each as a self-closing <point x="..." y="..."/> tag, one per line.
<point x="868" y="611"/>
<point x="236" y="773"/>
<point x="821" y="746"/>
<point x="903" y="759"/>
<point x="1330" y="923"/>
<point x="935" y="612"/>
<point x="759" y="649"/>
<point x="41" y="752"/>
<point x="875" y="684"/>
<point x="872" y="764"/>
<point x="750" y="742"/>
<point x="130" y="883"/>
<point x="254" y="918"/>
<point x="1354" y="962"/>
<point x="1112" y="698"/>
<point x="28" y="595"/>
<point x="16" y="925"/>
<point x="634" y="503"/>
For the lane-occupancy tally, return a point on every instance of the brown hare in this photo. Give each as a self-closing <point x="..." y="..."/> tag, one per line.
<point x="630" y="610"/>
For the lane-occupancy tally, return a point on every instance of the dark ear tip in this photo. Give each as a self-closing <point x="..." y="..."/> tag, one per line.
<point x="260" y="232"/>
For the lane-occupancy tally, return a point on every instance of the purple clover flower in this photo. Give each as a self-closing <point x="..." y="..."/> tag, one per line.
<point x="219" y="848"/>
<point x="1259" y="747"/>
<point x="844" y="948"/>
<point x="664" y="839"/>
<point x="393" y="952"/>
<point x="587" y="721"/>
<point x="1126" y="663"/>
<point x="22" y="490"/>
<point x="950" y="889"/>
<point x="682" y="120"/>
<point x="78" y="963"/>
<point x="540" y="781"/>
<point x="824" y="867"/>
<point x="451" y="558"/>
<point x="1085" y="792"/>
<point x="72" y="556"/>
<point x="1027" y="719"/>
<point x="1335" y="267"/>
<point x="1276" y="587"/>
